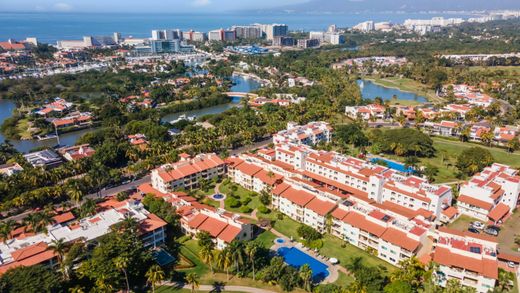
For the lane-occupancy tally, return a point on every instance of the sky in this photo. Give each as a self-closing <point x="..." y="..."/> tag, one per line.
<point x="165" y="6"/>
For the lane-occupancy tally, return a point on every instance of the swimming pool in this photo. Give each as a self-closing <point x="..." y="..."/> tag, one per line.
<point x="297" y="258"/>
<point x="279" y="240"/>
<point x="394" y="165"/>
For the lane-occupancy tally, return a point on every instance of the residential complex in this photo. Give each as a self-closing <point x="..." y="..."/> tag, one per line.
<point x="187" y="173"/>
<point x="310" y="134"/>
<point x="491" y="194"/>
<point x="27" y="248"/>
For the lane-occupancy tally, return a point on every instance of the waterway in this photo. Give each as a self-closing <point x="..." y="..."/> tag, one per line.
<point x="241" y="84"/>
<point x="370" y="90"/>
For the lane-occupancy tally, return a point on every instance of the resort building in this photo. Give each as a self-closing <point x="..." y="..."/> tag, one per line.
<point x="443" y="128"/>
<point x="27" y="248"/>
<point x="251" y="177"/>
<point x="368" y="112"/>
<point x="491" y="194"/>
<point x="310" y="134"/>
<point x="188" y="172"/>
<point x="78" y="152"/>
<point x="43" y="159"/>
<point x="59" y="106"/>
<point x="73" y="119"/>
<point x="222" y="226"/>
<point x="467" y="257"/>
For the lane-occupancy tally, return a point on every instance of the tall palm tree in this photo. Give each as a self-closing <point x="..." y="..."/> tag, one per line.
<point x="206" y="253"/>
<point x="59" y="247"/>
<point x="6" y="228"/>
<point x="305" y="274"/>
<point x="224" y="260"/>
<point x="193" y="280"/>
<point x="237" y="254"/>
<point x="251" y="251"/>
<point x="154" y="276"/>
<point x="505" y="281"/>
<point x="121" y="264"/>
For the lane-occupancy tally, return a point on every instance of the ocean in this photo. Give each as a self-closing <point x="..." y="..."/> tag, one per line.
<point x="50" y="27"/>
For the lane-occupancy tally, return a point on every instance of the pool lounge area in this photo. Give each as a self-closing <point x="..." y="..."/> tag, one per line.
<point x="296" y="255"/>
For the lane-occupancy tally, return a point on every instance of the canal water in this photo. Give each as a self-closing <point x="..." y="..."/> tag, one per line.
<point x="241" y="84"/>
<point x="370" y="90"/>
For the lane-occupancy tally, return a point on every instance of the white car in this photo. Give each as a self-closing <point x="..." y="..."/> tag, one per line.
<point x="478" y="225"/>
<point x="511" y="264"/>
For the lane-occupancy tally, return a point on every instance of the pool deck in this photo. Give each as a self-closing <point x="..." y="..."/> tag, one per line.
<point x="333" y="269"/>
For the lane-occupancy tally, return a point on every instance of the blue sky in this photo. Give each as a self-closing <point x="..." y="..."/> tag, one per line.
<point x="165" y="6"/>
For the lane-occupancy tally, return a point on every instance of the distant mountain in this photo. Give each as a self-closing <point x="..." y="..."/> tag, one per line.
<point x="337" y="6"/>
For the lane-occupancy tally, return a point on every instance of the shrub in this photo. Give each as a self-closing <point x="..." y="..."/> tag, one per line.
<point x="245" y="209"/>
<point x="308" y="233"/>
<point x="233" y="202"/>
<point x="473" y="160"/>
<point x="246" y="200"/>
<point x="263" y="209"/>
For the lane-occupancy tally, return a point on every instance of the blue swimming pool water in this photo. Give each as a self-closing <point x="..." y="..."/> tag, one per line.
<point x="297" y="258"/>
<point x="218" y="196"/>
<point x="279" y="240"/>
<point x="394" y="165"/>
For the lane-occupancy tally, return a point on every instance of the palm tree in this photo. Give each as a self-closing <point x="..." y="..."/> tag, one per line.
<point x="59" y="247"/>
<point x="355" y="264"/>
<point x="121" y="264"/>
<point x="224" y="260"/>
<point x="251" y="251"/>
<point x="306" y="276"/>
<point x="206" y="253"/>
<point x="6" y="228"/>
<point x="237" y="254"/>
<point x="193" y="280"/>
<point x="329" y="222"/>
<point x="154" y="275"/>
<point x="505" y="281"/>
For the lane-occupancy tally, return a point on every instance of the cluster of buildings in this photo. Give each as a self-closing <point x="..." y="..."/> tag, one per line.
<point x="375" y="60"/>
<point x="381" y="210"/>
<point x="49" y="159"/>
<point x="282" y="100"/>
<point x="26" y="248"/>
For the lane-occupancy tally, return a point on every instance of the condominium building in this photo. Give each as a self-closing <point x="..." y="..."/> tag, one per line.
<point x="466" y="257"/>
<point x="247" y="32"/>
<point x="368" y="112"/>
<point x="250" y="176"/>
<point x="308" y="43"/>
<point x="283" y="41"/>
<point x="27" y="249"/>
<point x="366" y="26"/>
<point x="491" y="194"/>
<point x="309" y="134"/>
<point x="167" y="34"/>
<point x="274" y="30"/>
<point x="224" y="227"/>
<point x="188" y="172"/>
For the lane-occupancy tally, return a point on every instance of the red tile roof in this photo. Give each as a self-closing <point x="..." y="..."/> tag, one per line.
<point x="474" y="202"/>
<point x="248" y="169"/>
<point x="400" y="239"/>
<point x="485" y="267"/>
<point x="66" y="217"/>
<point x="498" y="212"/>
<point x="151" y="223"/>
<point x="339" y="213"/>
<point x="359" y="221"/>
<point x="468" y="234"/>
<point x="29" y="251"/>
<point x="229" y="234"/>
<point x="196" y="221"/>
<point x="450" y="212"/>
<point x="298" y="197"/>
<point x="321" y="207"/>
<point x="213" y="226"/>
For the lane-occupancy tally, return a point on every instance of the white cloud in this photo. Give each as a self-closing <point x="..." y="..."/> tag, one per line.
<point x="200" y="3"/>
<point x="60" y="6"/>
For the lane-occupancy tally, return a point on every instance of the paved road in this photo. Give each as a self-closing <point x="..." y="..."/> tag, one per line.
<point x="211" y="288"/>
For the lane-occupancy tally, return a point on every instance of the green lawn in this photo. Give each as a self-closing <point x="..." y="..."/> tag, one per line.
<point x="190" y="249"/>
<point x="242" y="193"/>
<point x="266" y="239"/>
<point x="447" y="151"/>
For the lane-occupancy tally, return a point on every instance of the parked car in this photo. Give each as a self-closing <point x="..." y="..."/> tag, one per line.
<point x="473" y="230"/>
<point x="491" y="231"/>
<point x="511" y="264"/>
<point x="477" y="225"/>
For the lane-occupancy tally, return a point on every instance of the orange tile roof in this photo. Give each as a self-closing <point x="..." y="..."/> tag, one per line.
<point x="475" y="202"/>
<point x="213" y="226"/>
<point x="147" y="188"/>
<point x="29" y="251"/>
<point x="248" y="169"/>
<point x="66" y="217"/>
<point x="151" y="223"/>
<point x="196" y="221"/>
<point x="321" y="207"/>
<point x="498" y="212"/>
<point x="339" y="214"/>
<point x="263" y="176"/>
<point x="468" y="234"/>
<point x="229" y="233"/>
<point x="298" y="197"/>
<point x="485" y="267"/>
<point x="359" y="221"/>
<point x="450" y="212"/>
<point x="400" y="239"/>
<point x="280" y="188"/>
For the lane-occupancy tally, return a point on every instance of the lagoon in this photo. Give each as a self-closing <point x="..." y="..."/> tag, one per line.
<point x="370" y="90"/>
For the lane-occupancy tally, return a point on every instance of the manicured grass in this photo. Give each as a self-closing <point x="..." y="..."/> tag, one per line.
<point x="332" y="247"/>
<point x="447" y="151"/>
<point x="344" y="280"/>
<point x="241" y="193"/>
<point x="266" y="239"/>
<point x="287" y="227"/>
<point x="506" y="237"/>
<point x="190" y="249"/>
